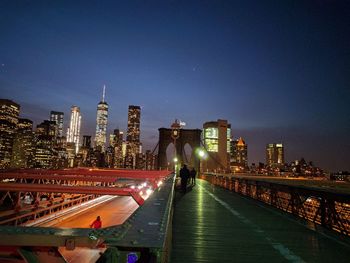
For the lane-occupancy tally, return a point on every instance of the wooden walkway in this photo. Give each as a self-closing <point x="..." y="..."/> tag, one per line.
<point x="212" y="224"/>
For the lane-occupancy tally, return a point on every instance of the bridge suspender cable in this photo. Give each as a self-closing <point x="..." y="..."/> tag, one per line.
<point x="154" y="149"/>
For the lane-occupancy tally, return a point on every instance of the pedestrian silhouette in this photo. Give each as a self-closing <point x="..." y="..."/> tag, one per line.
<point x="184" y="175"/>
<point x="97" y="223"/>
<point x="193" y="174"/>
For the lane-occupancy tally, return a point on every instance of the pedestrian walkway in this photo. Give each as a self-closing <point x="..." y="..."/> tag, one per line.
<point x="211" y="224"/>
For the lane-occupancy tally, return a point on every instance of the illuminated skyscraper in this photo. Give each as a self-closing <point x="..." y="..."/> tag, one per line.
<point x="274" y="154"/>
<point x="58" y="118"/>
<point x="23" y="146"/>
<point x="217" y="137"/>
<point x="133" y="136"/>
<point x="117" y="144"/>
<point x="134" y="116"/>
<point x="46" y="128"/>
<point x="9" y="112"/>
<point x="24" y="125"/>
<point x="101" y="123"/>
<point x="73" y="131"/>
<point x="239" y="153"/>
<point x="44" y="144"/>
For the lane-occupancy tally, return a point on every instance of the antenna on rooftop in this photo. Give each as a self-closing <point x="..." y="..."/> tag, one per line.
<point x="104" y="93"/>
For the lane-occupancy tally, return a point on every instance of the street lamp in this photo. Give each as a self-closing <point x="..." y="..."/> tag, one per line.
<point x="175" y="163"/>
<point x="175" y="134"/>
<point x="202" y="155"/>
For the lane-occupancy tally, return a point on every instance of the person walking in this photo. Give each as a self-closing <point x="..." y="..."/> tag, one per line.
<point x="97" y="223"/>
<point x="193" y="174"/>
<point x="184" y="175"/>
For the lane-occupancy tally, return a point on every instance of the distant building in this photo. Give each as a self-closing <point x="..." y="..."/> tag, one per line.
<point x="274" y="154"/>
<point x="71" y="153"/>
<point x="24" y="125"/>
<point x="44" y="144"/>
<point x="117" y="145"/>
<point x="23" y="146"/>
<point x="216" y="137"/>
<point x="86" y="141"/>
<point x="108" y="156"/>
<point x="340" y="176"/>
<point x="86" y="151"/>
<point x="57" y="117"/>
<point x="141" y="161"/>
<point x="9" y="112"/>
<point x="302" y="168"/>
<point x="124" y="151"/>
<point x="60" y="153"/>
<point x="73" y="131"/>
<point x="47" y="128"/>
<point x="239" y="155"/>
<point x="101" y="124"/>
<point x="133" y="136"/>
<point x="111" y="139"/>
<point x="151" y="160"/>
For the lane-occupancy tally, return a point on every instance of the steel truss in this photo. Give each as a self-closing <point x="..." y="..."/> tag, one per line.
<point x="31" y="194"/>
<point x="147" y="232"/>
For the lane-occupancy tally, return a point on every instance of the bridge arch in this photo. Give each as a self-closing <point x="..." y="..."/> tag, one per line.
<point x="190" y="137"/>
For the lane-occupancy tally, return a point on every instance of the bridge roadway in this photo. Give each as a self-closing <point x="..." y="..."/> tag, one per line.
<point x="114" y="212"/>
<point x="211" y="224"/>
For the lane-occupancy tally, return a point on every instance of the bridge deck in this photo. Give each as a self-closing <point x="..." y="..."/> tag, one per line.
<point x="211" y="224"/>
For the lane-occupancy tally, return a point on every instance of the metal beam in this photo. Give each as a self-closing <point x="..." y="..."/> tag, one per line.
<point x="134" y="174"/>
<point x="51" y="188"/>
<point x="41" y="255"/>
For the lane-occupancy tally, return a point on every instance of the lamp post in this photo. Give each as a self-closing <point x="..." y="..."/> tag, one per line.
<point x="175" y="134"/>
<point x="175" y="164"/>
<point x="202" y="155"/>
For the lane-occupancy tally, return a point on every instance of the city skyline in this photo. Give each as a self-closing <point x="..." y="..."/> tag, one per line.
<point x="276" y="72"/>
<point x="236" y="149"/>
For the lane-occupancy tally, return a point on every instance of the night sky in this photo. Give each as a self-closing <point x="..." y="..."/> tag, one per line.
<point x="278" y="71"/>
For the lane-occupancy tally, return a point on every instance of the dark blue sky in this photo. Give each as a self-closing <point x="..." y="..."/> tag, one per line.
<point x="278" y="71"/>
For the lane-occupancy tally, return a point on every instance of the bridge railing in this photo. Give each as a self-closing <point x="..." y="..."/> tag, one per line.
<point x="28" y="216"/>
<point x="327" y="208"/>
<point x="149" y="229"/>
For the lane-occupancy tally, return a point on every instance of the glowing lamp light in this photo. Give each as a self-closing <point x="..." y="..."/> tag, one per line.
<point x="149" y="191"/>
<point x="176" y="160"/>
<point x="132" y="187"/>
<point x="201" y="153"/>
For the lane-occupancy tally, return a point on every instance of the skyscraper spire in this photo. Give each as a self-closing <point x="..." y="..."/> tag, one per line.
<point x="104" y="93"/>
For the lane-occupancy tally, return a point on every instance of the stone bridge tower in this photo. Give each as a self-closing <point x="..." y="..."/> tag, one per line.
<point x="179" y="137"/>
